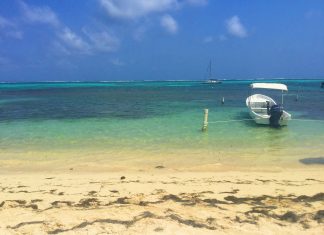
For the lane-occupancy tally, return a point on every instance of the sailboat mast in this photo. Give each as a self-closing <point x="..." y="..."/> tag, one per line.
<point x="210" y="69"/>
<point x="210" y="75"/>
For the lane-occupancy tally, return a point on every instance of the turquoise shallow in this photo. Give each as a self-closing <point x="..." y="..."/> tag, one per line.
<point x="148" y="123"/>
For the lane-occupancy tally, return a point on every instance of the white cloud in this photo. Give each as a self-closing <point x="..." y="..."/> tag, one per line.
<point x="235" y="27"/>
<point x="9" y="29"/>
<point x="43" y="15"/>
<point x="117" y="62"/>
<point x="169" y="24"/>
<point x="102" y="41"/>
<point x="140" y="12"/>
<point x="89" y="42"/>
<point x="132" y="9"/>
<point x="58" y="48"/>
<point x="73" y="41"/>
<point x="197" y="2"/>
<point x="69" y="42"/>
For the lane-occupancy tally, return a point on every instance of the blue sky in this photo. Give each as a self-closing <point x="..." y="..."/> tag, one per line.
<point x="160" y="39"/>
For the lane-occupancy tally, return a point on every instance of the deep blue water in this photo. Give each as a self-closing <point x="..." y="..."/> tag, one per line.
<point x="142" y="99"/>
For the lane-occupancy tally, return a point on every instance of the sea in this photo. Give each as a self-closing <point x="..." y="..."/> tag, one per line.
<point x="144" y="124"/>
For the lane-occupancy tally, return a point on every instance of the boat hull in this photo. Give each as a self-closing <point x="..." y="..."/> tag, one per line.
<point x="257" y="105"/>
<point x="284" y="119"/>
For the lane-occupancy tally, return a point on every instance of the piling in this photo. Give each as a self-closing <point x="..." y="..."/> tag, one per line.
<point x="297" y="95"/>
<point x="205" y="124"/>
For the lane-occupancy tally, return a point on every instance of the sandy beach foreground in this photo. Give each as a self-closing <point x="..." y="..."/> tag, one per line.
<point x="161" y="201"/>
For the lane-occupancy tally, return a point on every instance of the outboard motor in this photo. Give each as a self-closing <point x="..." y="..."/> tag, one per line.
<point x="276" y="112"/>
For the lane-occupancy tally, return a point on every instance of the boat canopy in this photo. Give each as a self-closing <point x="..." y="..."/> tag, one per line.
<point x="275" y="86"/>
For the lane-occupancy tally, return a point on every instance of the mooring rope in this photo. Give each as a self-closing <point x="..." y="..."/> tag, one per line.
<point x="307" y="120"/>
<point x="251" y="119"/>
<point x="235" y="120"/>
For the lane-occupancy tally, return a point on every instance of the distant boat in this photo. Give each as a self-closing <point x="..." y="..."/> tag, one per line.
<point x="210" y="75"/>
<point x="264" y="110"/>
<point x="215" y="81"/>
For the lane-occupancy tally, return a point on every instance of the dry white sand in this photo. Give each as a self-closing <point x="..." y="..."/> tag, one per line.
<point x="163" y="201"/>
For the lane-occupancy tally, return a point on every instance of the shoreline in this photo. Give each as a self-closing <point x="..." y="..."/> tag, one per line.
<point x="61" y="166"/>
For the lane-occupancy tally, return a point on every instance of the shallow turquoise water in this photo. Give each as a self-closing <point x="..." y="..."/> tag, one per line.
<point x="154" y="122"/>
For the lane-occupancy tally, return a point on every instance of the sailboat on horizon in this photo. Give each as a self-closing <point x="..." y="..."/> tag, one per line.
<point x="210" y="78"/>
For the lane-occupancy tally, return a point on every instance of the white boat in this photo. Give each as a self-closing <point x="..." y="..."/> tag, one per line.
<point x="210" y="76"/>
<point x="213" y="81"/>
<point x="264" y="110"/>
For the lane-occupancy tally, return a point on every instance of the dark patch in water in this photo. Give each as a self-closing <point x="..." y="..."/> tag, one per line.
<point x="314" y="160"/>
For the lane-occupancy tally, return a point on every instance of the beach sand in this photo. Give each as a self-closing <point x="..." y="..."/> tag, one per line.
<point x="163" y="201"/>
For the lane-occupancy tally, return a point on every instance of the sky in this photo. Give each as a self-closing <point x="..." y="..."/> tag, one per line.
<point x="113" y="40"/>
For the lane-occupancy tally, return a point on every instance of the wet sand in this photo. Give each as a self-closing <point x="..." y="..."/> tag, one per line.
<point x="163" y="201"/>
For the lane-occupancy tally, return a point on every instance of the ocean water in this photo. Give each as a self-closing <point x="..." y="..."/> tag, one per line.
<point x="144" y="124"/>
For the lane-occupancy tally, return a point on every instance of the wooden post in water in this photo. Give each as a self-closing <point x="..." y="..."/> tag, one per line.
<point x="296" y="97"/>
<point x="205" y="125"/>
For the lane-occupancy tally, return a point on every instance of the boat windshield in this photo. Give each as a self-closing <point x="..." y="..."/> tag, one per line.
<point x="276" y="95"/>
